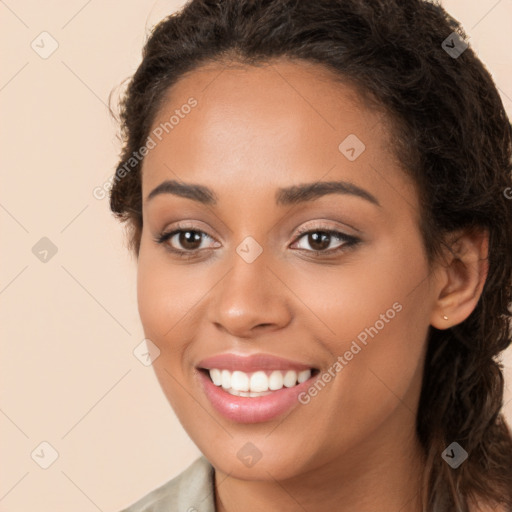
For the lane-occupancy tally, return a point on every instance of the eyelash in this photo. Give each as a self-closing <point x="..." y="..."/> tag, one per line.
<point x="350" y="241"/>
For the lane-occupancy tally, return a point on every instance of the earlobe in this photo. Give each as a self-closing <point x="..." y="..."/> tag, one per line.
<point x="463" y="277"/>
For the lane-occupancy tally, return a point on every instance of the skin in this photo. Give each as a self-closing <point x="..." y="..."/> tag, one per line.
<point x="256" y="129"/>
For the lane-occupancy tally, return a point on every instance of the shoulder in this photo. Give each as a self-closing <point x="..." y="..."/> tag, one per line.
<point x="191" y="491"/>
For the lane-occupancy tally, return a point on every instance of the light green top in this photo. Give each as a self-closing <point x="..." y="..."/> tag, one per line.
<point x="193" y="490"/>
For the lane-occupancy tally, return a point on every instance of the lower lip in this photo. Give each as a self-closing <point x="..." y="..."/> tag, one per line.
<point x="252" y="409"/>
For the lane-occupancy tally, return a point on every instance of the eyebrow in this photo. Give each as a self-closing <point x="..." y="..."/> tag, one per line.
<point x="197" y="193"/>
<point x="284" y="196"/>
<point x="310" y="191"/>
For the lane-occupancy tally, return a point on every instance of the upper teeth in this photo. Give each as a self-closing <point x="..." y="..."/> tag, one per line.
<point x="241" y="383"/>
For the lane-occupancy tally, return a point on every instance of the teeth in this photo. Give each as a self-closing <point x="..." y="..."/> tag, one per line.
<point x="290" y="378"/>
<point x="258" y="383"/>
<point x="275" y="381"/>
<point x="247" y="393"/>
<point x="226" y="379"/>
<point x="216" y="376"/>
<point x="240" y="381"/>
<point x="303" y="376"/>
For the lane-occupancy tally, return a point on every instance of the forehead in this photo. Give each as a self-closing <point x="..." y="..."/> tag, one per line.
<point x="281" y="89"/>
<point x="285" y="121"/>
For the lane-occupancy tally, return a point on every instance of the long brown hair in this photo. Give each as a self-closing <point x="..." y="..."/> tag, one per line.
<point x="451" y="135"/>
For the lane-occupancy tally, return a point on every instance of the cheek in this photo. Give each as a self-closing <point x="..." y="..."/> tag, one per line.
<point x="165" y="300"/>
<point x="373" y="312"/>
<point x="166" y="294"/>
<point x="153" y="293"/>
<point x="367" y="288"/>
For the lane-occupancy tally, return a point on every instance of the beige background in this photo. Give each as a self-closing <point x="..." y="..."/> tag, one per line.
<point x="69" y="326"/>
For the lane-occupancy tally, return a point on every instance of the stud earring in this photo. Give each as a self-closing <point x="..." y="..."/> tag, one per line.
<point x="445" y="317"/>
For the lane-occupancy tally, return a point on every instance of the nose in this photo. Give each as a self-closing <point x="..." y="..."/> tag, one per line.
<point x="250" y="300"/>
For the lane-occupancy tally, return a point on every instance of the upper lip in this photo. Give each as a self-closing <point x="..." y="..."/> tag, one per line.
<point x="251" y="363"/>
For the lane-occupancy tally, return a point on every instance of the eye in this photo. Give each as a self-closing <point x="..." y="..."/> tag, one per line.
<point x="188" y="242"/>
<point x="183" y="241"/>
<point x="320" y="240"/>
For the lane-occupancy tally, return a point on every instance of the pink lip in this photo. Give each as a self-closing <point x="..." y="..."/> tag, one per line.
<point x="251" y="363"/>
<point x="252" y="410"/>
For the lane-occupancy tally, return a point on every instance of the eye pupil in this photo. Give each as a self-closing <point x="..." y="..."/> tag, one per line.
<point x="188" y="238"/>
<point x="319" y="240"/>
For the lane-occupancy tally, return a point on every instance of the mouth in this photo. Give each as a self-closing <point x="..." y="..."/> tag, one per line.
<point x="258" y="383"/>
<point x="256" y="388"/>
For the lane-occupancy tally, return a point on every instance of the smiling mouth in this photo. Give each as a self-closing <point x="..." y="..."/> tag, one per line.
<point x="258" y="383"/>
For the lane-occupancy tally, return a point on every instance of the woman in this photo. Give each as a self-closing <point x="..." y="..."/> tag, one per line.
<point x="316" y="194"/>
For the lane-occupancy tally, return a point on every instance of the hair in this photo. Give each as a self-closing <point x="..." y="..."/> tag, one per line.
<point x="451" y="135"/>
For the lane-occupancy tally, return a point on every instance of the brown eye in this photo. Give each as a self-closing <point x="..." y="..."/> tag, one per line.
<point x="183" y="241"/>
<point x="318" y="240"/>
<point x="189" y="240"/>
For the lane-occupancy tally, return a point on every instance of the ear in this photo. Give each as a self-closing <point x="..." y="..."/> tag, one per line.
<point x="461" y="278"/>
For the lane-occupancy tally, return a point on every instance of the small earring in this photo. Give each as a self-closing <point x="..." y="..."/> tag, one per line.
<point x="445" y="317"/>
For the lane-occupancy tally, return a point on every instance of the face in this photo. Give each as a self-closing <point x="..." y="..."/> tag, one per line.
<point x="316" y="303"/>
